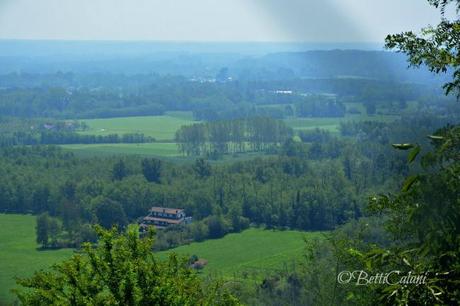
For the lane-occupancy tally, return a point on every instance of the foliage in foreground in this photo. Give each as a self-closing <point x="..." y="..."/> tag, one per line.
<point x="424" y="221"/>
<point x="424" y="217"/>
<point x="121" y="270"/>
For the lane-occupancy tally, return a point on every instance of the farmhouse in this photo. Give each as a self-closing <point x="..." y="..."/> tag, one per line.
<point x="162" y="217"/>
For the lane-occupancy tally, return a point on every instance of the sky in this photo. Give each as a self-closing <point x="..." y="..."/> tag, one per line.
<point x="213" y="20"/>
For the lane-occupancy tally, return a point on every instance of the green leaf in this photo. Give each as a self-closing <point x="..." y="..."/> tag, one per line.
<point x="413" y="154"/>
<point x="406" y="262"/>
<point x="403" y="146"/>
<point x="434" y="137"/>
<point x="355" y="252"/>
<point x="409" y="182"/>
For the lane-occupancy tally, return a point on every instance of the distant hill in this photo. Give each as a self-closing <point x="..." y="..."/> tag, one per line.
<point x="250" y="61"/>
<point x="377" y="65"/>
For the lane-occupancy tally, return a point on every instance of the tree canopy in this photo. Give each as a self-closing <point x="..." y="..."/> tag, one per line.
<point x="121" y="270"/>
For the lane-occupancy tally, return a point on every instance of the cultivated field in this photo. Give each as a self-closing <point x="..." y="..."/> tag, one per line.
<point x="147" y="149"/>
<point x="252" y="251"/>
<point x="162" y="128"/>
<point x="19" y="256"/>
<point x="332" y="124"/>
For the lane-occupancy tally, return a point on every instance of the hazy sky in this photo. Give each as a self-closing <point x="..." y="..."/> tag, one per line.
<point x="213" y="20"/>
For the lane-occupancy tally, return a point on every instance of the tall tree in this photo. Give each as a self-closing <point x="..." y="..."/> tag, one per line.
<point x="151" y="168"/>
<point x="119" y="170"/>
<point x="41" y="229"/>
<point x="110" y="213"/>
<point x="202" y="168"/>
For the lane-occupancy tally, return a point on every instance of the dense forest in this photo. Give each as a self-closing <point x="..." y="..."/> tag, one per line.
<point x="283" y="191"/>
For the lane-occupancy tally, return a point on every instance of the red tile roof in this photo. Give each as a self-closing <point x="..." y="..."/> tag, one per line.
<point x="166" y="210"/>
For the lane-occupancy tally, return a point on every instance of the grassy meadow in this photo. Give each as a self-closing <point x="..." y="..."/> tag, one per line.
<point x="19" y="256"/>
<point x="162" y="128"/>
<point x="252" y="251"/>
<point x="332" y="124"/>
<point x="145" y="149"/>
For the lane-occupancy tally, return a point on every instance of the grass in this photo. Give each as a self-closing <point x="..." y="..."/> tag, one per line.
<point x="19" y="256"/>
<point x="253" y="250"/>
<point x="145" y="149"/>
<point x="167" y="151"/>
<point x="184" y="115"/>
<point x="333" y="124"/>
<point x="162" y="128"/>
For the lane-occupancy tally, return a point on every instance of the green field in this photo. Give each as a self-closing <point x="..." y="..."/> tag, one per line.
<point x="253" y="250"/>
<point x="19" y="256"/>
<point x="165" y="150"/>
<point x="332" y="124"/>
<point x="162" y="128"/>
<point x="148" y="149"/>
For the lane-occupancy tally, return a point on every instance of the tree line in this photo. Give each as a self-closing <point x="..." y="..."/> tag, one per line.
<point x="57" y="137"/>
<point x="58" y="96"/>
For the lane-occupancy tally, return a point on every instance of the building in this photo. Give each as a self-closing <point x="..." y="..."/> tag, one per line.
<point x="162" y="217"/>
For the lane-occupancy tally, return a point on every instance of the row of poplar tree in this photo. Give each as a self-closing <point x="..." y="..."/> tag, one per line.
<point x="231" y="136"/>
